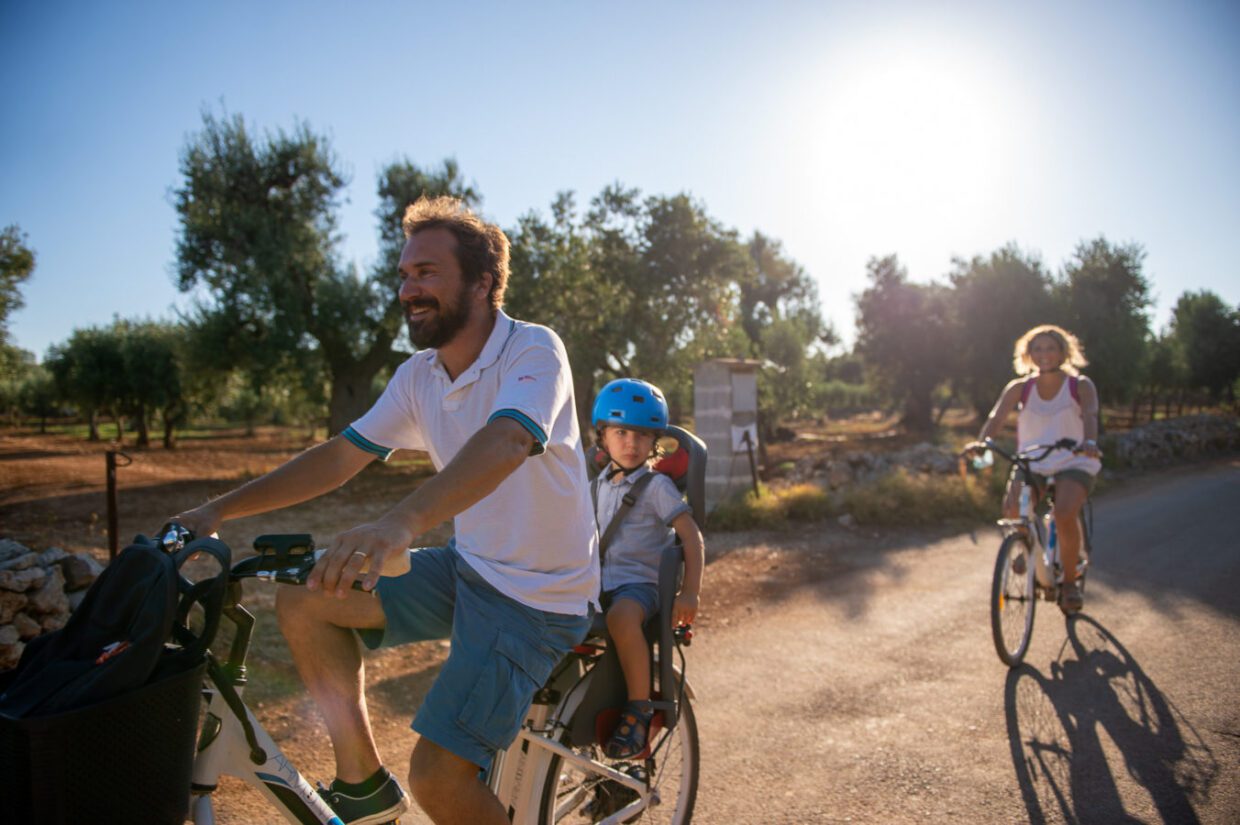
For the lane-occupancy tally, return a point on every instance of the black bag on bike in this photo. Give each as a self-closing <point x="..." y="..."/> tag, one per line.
<point x="97" y="722"/>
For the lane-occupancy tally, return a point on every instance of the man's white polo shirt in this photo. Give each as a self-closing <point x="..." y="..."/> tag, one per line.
<point x="533" y="537"/>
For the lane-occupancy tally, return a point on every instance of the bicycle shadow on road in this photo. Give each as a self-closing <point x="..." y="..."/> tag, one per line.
<point x="1096" y="735"/>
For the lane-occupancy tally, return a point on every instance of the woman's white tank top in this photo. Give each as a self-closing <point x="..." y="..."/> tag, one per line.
<point x="1045" y="422"/>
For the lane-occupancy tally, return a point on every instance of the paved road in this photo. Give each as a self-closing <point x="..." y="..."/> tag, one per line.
<point x="872" y="693"/>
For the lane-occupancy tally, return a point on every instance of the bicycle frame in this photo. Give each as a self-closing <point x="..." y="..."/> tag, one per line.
<point x="519" y="773"/>
<point x="1039" y="530"/>
<point x="232" y="741"/>
<point x="1045" y="557"/>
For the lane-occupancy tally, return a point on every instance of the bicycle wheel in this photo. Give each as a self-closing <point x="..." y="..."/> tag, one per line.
<point x="572" y="795"/>
<point x="1012" y="600"/>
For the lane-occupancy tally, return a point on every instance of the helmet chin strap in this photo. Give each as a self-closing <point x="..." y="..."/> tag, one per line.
<point x="616" y="469"/>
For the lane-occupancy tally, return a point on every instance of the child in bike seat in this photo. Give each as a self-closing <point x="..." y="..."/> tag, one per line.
<point x="629" y="416"/>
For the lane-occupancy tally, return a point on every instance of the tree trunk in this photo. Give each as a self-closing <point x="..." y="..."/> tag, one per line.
<point x="119" y="420"/>
<point x="144" y="430"/>
<point x="170" y="432"/>
<point x="350" y="398"/>
<point x="951" y="399"/>
<point x="351" y="377"/>
<point x="93" y="422"/>
<point x="583" y="390"/>
<point x="918" y="412"/>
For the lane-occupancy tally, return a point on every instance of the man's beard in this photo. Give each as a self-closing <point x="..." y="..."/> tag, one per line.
<point x="442" y="325"/>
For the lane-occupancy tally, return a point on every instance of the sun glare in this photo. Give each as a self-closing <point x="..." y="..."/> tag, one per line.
<point x="902" y="144"/>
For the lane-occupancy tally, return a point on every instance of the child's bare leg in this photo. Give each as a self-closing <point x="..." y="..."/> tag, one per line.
<point x="624" y="623"/>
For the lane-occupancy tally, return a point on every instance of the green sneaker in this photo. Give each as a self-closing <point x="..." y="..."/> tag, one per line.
<point x="380" y="806"/>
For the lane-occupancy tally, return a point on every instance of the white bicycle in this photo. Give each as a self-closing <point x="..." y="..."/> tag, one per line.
<point x="1028" y="564"/>
<point x="554" y="771"/>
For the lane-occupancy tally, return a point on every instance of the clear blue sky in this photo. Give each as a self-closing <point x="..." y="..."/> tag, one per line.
<point x="845" y="130"/>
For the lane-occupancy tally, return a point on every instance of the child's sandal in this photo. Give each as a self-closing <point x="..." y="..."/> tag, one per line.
<point x="629" y="737"/>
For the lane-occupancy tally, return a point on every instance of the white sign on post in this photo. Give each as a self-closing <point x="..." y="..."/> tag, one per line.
<point x="739" y="444"/>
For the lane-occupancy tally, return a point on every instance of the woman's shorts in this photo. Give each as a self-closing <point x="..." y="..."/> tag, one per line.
<point x="502" y="651"/>
<point x="1079" y="476"/>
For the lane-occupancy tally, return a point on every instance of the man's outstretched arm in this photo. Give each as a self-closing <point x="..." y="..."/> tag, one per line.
<point x="490" y="456"/>
<point x="318" y="470"/>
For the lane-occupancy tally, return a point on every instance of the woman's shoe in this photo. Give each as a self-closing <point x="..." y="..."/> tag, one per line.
<point x="1070" y="599"/>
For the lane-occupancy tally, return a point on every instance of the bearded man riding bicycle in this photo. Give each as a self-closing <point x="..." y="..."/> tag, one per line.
<point x="491" y="400"/>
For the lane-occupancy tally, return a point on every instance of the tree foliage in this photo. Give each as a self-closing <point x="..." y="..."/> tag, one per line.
<point x="129" y="370"/>
<point x="259" y="233"/>
<point x="993" y="300"/>
<point x="1207" y="334"/>
<point x="651" y="286"/>
<point x="88" y="370"/>
<point x="17" y="262"/>
<point x="903" y="333"/>
<point x="1103" y="299"/>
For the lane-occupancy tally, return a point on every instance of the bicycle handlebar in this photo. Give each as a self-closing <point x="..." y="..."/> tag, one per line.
<point x="1025" y="457"/>
<point x="282" y="558"/>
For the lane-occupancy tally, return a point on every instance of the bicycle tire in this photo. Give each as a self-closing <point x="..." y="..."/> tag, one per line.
<point x="567" y="794"/>
<point x="1013" y="601"/>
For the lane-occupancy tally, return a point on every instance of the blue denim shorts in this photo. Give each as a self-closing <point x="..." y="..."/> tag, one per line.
<point x="502" y="651"/>
<point x="644" y="593"/>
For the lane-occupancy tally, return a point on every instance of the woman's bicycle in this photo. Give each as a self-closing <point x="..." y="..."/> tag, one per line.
<point x="1028" y="566"/>
<point x="555" y="771"/>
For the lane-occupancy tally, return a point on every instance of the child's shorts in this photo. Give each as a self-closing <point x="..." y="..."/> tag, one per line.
<point x="644" y="593"/>
<point x="502" y="651"/>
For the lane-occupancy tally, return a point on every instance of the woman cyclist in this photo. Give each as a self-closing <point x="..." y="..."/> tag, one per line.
<point x="1054" y="401"/>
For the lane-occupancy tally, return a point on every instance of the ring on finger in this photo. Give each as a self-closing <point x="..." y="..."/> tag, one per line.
<point x="358" y="553"/>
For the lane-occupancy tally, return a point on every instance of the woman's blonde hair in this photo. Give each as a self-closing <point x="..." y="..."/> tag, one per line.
<point x="1074" y="353"/>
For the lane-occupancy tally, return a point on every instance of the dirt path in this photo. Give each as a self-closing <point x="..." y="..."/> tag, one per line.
<point x="874" y="694"/>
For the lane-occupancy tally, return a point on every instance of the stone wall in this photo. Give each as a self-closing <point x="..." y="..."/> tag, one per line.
<point x="1152" y="445"/>
<point x="1176" y="439"/>
<point x="38" y="590"/>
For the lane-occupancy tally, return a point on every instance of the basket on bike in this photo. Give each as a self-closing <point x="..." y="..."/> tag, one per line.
<point x="127" y="759"/>
<point x="98" y="721"/>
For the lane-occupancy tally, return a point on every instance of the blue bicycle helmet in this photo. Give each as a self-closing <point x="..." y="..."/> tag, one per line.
<point x="631" y="402"/>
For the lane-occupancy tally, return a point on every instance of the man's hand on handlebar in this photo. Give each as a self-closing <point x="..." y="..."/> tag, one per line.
<point x="365" y="553"/>
<point x="201" y="521"/>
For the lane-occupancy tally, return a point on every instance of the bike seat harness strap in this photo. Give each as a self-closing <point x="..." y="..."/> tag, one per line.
<point x="626" y="504"/>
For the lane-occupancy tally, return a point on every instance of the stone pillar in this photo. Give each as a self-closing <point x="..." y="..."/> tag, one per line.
<point x="725" y="406"/>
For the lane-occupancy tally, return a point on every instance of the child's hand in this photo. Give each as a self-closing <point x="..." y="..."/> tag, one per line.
<point x="685" y="609"/>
